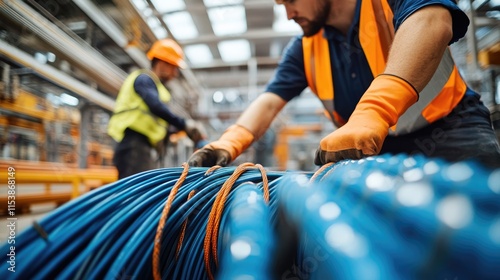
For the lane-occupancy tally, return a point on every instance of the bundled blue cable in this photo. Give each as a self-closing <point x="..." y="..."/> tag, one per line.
<point x="384" y="217"/>
<point x="395" y="218"/>
<point x="109" y="233"/>
<point x="248" y="236"/>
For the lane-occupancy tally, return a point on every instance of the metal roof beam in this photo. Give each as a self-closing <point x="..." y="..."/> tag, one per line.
<point x="199" y="7"/>
<point x="113" y="31"/>
<point x="60" y="78"/>
<point x="108" y="75"/>
<point x="255" y="35"/>
<point x="219" y="63"/>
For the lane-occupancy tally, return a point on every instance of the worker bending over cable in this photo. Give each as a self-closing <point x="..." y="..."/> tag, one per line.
<point x="384" y="73"/>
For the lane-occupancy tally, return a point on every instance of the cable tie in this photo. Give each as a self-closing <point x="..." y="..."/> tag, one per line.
<point x="41" y="231"/>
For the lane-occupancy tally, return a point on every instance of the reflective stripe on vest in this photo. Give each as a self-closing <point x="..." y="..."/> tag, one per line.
<point x="132" y="112"/>
<point x="376" y="33"/>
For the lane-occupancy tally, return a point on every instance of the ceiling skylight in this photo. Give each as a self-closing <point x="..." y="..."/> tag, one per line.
<point x="140" y="4"/>
<point x="234" y="50"/>
<point x="198" y="54"/>
<point x="181" y="25"/>
<point x="216" y="3"/>
<point x="166" y="6"/>
<point x="147" y="12"/>
<point x="281" y="22"/>
<point x="228" y="20"/>
<point x="153" y="22"/>
<point x="160" y="32"/>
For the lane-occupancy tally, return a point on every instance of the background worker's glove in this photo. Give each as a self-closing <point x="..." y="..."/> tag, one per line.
<point x="195" y="131"/>
<point x="230" y="145"/>
<point x="387" y="98"/>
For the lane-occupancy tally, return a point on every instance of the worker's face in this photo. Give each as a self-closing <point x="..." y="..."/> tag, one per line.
<point x="310" y="15"/>
<point x="166" y="71"/>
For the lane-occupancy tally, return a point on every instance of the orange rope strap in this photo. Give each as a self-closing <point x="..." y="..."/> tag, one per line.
<point x="320" y="170"/>
<point x="183" y="229"/>
<point x="215" y="216"/>
<point x="163" y="219"/>
<point x="212" y="169"/>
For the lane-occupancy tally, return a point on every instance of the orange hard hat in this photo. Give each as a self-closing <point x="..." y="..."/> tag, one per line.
<point x="169" y="51"/>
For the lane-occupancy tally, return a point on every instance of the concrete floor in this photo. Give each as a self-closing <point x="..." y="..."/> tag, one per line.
<point x="24" y="220"/>
<point x="37" y="210"/>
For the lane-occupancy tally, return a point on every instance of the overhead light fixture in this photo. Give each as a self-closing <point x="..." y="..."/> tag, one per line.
<point x="163" y="6"/>
<point x="77" y="25"/>
<point x="232" y="95"/>
<point x="45" y="57"/>
<point x="228" y="20"/>
<point x="51" y="57"/>
<point x="147" y="12"/>
<point x="153" y="22"/>
<point x="181" y="25"/>
<point x="40" y="57"/>
<point x="140" y="4"/>
<point x="69" y="99"/>
<point x="218" y="97"/>
<point x="234" y="50"/>
<point x="493" y="14"/>
<point x="160" y="32"/>
<point x="53" y="99"/>
<point x="155" y="25"/>
<point x="198" y="54"/>
<point x="218" y="3"/>
<point x="281" y="22"/>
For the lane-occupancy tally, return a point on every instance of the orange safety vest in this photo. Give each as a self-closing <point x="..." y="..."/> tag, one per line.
<point x="376" y="33"/>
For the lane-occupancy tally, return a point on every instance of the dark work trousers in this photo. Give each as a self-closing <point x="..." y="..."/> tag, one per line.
<point x="465" y="134"/>
<point x="134" y="154"/>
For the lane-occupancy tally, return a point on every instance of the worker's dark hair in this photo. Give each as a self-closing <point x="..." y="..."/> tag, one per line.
<point x="154" y="61"/>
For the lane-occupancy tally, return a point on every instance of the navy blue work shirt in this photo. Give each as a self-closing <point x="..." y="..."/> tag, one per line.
<point x="147" y="90"/>
<point x="350" y="69"/>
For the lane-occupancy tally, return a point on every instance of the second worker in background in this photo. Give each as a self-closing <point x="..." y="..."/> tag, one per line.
<point x="141" y="117"/>
<point x="384" y="73"/>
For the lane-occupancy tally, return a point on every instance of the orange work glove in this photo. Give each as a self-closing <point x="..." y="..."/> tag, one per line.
<point x="387" y="98"/>
<point x="230" y="145"/>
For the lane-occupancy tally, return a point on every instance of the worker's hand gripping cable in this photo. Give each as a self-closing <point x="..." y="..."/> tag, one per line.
<point x="195" y="131"/>
<point x="230" y="145"/>
<point x="387" y="98"/>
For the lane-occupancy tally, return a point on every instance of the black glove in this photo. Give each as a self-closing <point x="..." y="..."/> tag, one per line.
<point x="221" y="152"/>
<point x="194" y="131"/>
<point x="207" y="157"/>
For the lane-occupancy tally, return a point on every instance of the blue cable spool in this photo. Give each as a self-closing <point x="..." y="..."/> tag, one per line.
<point x="408" y="226"/>
<point x="248" y="236"/>
<point x="109" y="232"/>
<point x="332" y="248"/>
<point x="397" y="209"/>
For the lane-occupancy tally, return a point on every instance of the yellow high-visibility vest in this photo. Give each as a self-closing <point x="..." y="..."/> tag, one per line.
<point x="376" y="33"/>
<point x="132" y="112"/>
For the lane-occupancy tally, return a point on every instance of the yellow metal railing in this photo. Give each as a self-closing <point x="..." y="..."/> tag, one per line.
<point x="48" y="174"/>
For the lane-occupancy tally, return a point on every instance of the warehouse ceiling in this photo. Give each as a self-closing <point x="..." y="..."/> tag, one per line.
<point x="232" y="46"/>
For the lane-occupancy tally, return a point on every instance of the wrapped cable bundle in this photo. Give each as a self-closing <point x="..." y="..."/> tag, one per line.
<point x="394" y="218"/>
<point x="384" y="217"/>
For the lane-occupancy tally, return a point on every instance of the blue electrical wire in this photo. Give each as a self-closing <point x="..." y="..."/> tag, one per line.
<point x="417" y="219"/>
<point x="247" y="237"/>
